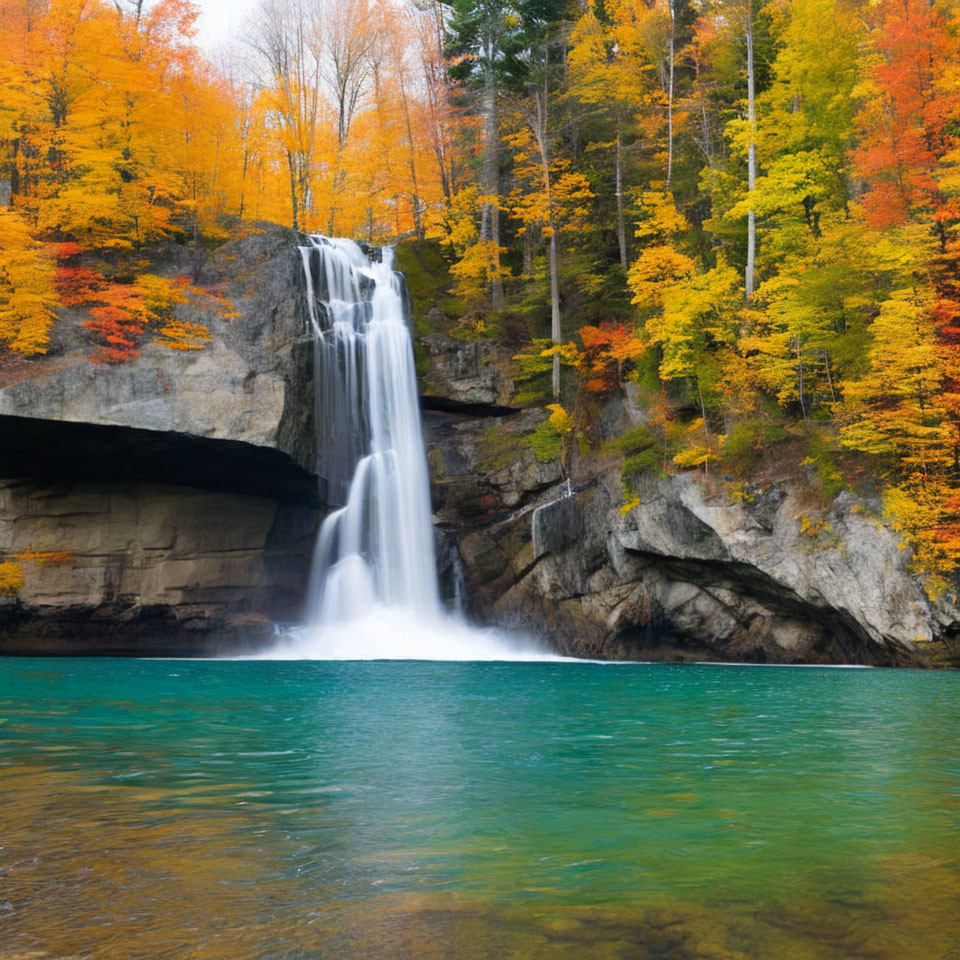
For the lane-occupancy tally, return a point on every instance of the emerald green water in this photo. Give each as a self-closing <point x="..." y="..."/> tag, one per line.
<point x="473" y="810"/>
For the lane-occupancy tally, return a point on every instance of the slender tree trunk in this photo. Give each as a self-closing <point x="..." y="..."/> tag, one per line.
<point x="751" y="157"/>
<point x="706" y="429"/>
<point x="333" y="206"/>
<point x="621" y="224"/>
<point x="490" y="173"/>
<point x="541" y="130"/>
<point x="673" y="37"/>
<point x="555" y="332"/>
<point x="803" y="408"/>
<point x="496" y="288"/>
<point x="704" y="119"/>
<point x="243" y="182"/>
<point x="826" y="360"/>
<point x="417" y="225"/>
<point x="437" y="87"/>
<point x="293" y="191"/>
<point x="444" y="179"/>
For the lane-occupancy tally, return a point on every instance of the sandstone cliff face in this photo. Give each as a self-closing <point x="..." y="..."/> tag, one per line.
<point x="148" y="569"/>
<point x="178" y="489"/>
<point x="690" y="572"/>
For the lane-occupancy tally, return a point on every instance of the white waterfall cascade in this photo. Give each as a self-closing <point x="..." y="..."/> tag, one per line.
<point x="374" y="591"/>
<point x="378" y="546"/>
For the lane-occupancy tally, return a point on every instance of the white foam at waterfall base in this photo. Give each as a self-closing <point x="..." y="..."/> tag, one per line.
<point x="373" y="593"/>
<point x="389" y="633"/>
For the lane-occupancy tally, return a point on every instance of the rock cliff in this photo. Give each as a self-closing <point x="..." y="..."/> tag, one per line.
<point x="691" y="570"/>
<point x="167" y="504"/>
<point x="251" y="383"/>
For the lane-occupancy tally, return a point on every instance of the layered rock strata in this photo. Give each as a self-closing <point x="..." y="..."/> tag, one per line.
<point x="167" y="505"/>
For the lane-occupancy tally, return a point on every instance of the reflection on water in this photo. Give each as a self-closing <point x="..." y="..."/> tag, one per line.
<point x="267" y="810"/>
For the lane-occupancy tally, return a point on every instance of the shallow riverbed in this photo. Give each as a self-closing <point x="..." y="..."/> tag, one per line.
<point x="258" y="809"/>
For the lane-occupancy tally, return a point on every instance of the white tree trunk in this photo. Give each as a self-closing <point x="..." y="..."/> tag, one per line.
<point x="555" y="332"/>
<point x="621" y="224"/>
<point x="490" y="173"/>
<point x="488" y="170"/>
<point x="541" y="127"/>
<point x="673" y="35"/>
<point x="751" y="158"/>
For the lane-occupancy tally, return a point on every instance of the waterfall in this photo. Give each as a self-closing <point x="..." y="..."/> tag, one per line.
<point x="373" y="592"/>
<point x="377" y="548"/>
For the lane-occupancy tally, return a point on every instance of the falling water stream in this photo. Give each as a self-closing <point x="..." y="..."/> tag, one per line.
<point x="373" y="592"/>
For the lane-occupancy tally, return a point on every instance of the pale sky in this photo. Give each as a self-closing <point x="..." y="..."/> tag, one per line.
<point x="219" y="20"/>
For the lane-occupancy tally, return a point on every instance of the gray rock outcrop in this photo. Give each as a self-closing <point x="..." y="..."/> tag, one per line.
<point x="466" y="371"/>
<point x="687" y="573"/>
<point x="251" y="383"/>
<point x="167" y="504"/>
<point x="693" y="570"/>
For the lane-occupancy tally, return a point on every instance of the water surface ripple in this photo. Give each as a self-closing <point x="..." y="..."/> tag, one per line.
<point x="279" y="809"/>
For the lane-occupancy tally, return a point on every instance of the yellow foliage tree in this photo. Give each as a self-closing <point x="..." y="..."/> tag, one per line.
<point x="27" y="298"/>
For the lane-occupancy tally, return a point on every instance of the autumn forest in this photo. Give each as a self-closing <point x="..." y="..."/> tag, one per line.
<point x="744" y="213"/>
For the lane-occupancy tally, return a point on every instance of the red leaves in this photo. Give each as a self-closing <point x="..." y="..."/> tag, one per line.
<point x="115" y="317"/>
<point x="67" y="250"/>
<point x="119" y="315"/>
<point x="607" y="349"/>
<point x="122" y="312"/>
<point x="76" y="285"/>
<point x="904" y="128"/>
<point x="120" y="333"/>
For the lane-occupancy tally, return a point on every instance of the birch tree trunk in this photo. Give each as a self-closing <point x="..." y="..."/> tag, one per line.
<point x="555" y="332"/>
<point x="673" y="37"/>
<point x="490" y="173"/>
<point x="621" y="224"/>
<point x="751" y="156"/>
<point x="488" y="109"/>
<point x="541" y="135"/>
